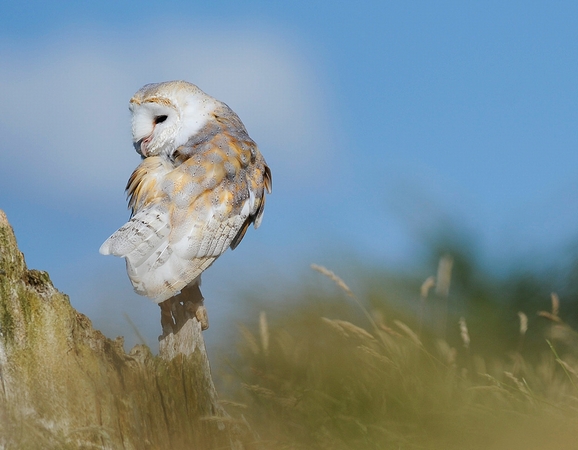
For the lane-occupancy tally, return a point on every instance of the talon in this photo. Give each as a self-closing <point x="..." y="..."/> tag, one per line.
<point x="202" y="317"/>
<point x="199" y="312"/>
<point x="184" y="306"/>
<point x="194" y="304"/>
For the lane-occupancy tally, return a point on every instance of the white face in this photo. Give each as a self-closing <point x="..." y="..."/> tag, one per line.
<point x="166" y="115"/>
<point x="153" y="126"/>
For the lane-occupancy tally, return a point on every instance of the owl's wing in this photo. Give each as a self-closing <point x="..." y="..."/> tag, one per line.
<point x="208" y="202"/>
<point x="144" y="242"/>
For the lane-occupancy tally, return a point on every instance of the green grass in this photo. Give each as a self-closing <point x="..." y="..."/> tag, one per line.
<point x="331" y="370"/>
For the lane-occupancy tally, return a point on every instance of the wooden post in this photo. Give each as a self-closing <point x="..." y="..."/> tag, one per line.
<point x="64" y="385"/>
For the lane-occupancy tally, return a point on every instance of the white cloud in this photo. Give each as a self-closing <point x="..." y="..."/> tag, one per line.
<point x="65" y="120"/>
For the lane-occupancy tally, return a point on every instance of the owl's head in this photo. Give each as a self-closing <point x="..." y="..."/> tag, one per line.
<point x="165" y="115"/>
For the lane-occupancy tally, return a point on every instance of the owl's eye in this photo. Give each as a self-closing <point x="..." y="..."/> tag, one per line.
<point x="160" y="119"/>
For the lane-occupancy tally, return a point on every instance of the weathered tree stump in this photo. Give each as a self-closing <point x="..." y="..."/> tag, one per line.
<point x="65" y="385"/>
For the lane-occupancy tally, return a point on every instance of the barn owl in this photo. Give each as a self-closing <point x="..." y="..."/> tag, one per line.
<point x="200" y="184"/>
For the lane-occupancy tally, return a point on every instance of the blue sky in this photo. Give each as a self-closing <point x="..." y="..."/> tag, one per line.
<point x="379" y="120"/>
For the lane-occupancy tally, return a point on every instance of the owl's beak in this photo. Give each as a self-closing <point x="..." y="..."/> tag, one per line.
<point x="141" y="146"/>
<point x="137" y="147"/>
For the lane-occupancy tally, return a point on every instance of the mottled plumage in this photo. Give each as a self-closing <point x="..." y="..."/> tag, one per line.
<point x="200" y="185"/>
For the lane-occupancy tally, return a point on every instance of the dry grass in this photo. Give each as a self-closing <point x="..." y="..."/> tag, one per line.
<point x="310" y="381"/>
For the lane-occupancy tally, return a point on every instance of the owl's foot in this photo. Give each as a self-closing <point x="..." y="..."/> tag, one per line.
<point x="177" y="310"/>
<point x="200" y="313"/>
<point x="167" y="320"/>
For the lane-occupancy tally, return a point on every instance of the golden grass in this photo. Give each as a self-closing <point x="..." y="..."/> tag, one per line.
<point x="311" y="380"/>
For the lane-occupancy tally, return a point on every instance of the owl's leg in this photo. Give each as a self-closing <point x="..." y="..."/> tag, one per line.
<point x="184" y="306"/>
<point x="167" y="321"/>
<point x="194" y="304"/>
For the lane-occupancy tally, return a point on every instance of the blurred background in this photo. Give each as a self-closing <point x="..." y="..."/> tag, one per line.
<point x="396" y="132"/>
